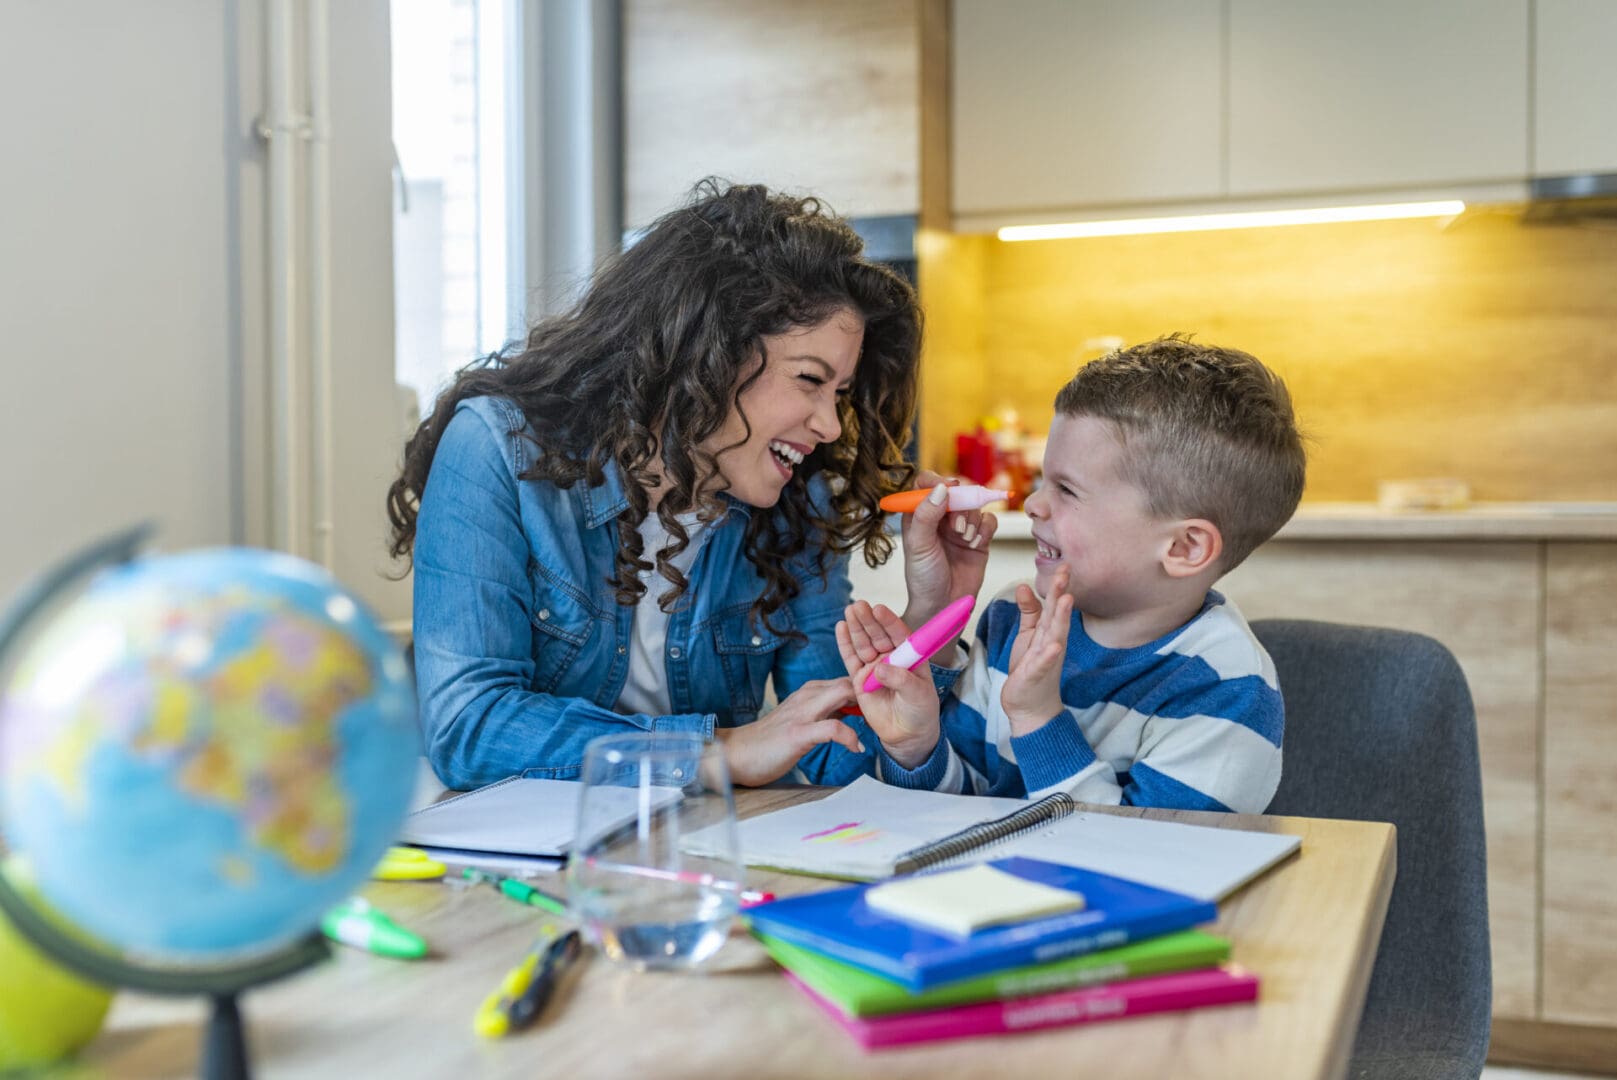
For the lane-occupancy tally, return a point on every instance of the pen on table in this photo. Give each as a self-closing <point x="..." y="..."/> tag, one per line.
<point x="522" y="994"/>
<point x="748" y="897"/>
<point x="355" y="922"/>
<point x="520" y="891"/>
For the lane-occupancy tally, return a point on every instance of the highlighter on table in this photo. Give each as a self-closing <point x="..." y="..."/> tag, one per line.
<point x="961" y="497"/>
<point x="526" y="988"/>
<point x="408" y="864"/>
<point x="355" y="922"/>
<point x="933" y="635"/>
<point x="520" y="891"/>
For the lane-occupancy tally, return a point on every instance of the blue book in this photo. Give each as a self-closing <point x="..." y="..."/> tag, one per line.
<point x="841" y="925"/>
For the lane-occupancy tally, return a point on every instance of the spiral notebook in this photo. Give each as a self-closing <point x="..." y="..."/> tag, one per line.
<point x="870" y="830"/>
<point x="519" y="816"/>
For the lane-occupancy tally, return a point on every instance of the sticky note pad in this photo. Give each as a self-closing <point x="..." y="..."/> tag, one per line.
<point x="961" y="901"/>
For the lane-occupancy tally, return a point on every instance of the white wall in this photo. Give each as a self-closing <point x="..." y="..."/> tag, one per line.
<point x="132" y="379"/>
<point x="116" y="238"/>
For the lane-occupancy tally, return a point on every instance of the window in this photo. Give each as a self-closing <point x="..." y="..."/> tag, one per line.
<point x="458" y="288"/>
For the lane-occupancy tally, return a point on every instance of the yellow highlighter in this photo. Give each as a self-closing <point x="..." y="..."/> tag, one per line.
<point x="526" y="988"/>
<point x="408" y="864"/>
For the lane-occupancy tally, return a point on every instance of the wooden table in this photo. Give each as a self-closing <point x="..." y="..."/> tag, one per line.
<point x="1309" y="928"/>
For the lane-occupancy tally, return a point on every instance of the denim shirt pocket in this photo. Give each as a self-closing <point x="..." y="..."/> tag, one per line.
<point x="746" y="650"/>
<point x="562" y="621"/>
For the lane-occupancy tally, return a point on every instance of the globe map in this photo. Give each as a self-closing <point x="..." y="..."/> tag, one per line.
<point x="202" y="752"/>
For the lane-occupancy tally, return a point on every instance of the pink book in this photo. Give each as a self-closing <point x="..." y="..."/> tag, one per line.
<point x="1113" y="1001"/>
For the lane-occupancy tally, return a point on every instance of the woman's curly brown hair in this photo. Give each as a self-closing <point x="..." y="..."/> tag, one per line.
<point x="654" y="357"/>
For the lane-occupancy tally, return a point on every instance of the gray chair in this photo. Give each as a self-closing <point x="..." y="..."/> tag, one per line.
<point x="1380" y="727"/>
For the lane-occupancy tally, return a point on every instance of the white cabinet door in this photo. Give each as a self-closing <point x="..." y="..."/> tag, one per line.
<point x="1062" y="103"/>
<point x="1331" y="96"/>
<point x="1574" y="87"/>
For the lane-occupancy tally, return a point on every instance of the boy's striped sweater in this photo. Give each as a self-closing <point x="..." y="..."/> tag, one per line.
<point x="1192" y="720"/>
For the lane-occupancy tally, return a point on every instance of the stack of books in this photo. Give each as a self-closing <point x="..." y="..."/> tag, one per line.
<point x="956" y="957"/>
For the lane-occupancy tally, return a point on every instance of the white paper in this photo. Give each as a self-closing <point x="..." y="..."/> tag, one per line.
<point x="860" y="832"/>
<point x="519" y="816"/>
<point x="1193" y="859"/>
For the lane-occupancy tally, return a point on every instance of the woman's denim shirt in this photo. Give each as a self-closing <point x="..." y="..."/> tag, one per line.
<point x="521" y="647"/>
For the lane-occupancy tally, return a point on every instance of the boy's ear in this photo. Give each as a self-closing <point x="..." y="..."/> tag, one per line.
<point x="1193" y="548"/>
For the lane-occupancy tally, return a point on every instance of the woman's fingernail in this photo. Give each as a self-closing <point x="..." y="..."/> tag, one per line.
<point x="970" y="534"/>
<point x="960" y="525"/>
<point x="861" y="747"/>
<point x="939" y="496"/>
<point x="978" y="542"/>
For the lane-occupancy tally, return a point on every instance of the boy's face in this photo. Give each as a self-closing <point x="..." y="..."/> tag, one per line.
<point x="1087" y="519"/>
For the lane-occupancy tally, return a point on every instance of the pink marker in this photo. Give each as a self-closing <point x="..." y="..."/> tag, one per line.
<point x="933" y="635"/>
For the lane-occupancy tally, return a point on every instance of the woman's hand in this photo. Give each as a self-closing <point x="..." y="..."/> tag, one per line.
<point x="1032" y="692"/>
<point x="766" y="749"/>
<point x="944" y="554"/>
<point x="904" y="713"/>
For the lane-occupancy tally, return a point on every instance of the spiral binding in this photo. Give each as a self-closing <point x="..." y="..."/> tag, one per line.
<point x="984" y="833"/>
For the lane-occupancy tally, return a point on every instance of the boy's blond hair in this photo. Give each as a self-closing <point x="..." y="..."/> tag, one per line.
<point x="1207" y="432"/>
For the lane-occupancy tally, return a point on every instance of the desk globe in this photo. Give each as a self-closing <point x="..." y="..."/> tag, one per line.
<point x="199" y="754"/>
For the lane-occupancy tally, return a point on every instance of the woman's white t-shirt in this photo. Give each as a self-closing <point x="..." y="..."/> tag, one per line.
<point x="646" y="688"/>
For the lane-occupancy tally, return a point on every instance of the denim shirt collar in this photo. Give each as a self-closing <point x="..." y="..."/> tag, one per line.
<point x="605" y="501"/>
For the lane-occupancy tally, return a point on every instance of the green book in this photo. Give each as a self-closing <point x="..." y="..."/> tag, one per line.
<point x="859" y="993"/>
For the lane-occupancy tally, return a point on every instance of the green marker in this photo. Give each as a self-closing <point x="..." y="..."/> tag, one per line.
<point x="520" y="891"/>
<point x="355" y="922"/>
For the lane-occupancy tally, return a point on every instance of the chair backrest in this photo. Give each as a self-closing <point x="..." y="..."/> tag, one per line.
<point x="1380" y="727"/>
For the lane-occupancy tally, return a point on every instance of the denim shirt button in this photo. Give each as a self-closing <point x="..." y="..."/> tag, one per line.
<point x="674" y="652"/>
<point x="544" y="613"/>
<point x="621" y="650"/>
<point x="756" y="640"/>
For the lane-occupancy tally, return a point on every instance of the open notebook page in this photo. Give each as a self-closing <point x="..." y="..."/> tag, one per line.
<point x="861" y="830"/>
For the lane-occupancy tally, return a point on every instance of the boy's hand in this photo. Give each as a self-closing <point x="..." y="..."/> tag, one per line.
<point x="904" y="713"/>
<point x="767" y="749"/>
<point x="945" y="554"/>
<point x="873" y="632"/>
<point x="1032" y="692"/>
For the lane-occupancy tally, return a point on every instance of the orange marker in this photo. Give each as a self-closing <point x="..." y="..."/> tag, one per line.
<point x="961" y="497"/>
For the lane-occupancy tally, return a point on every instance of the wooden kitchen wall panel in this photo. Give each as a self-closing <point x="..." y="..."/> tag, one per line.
<point x="1580" y="791"/>
<point x="1482" y="601"/>
<point x="954" y="382"/>
<point x="821" y="98"/>
<point x="1481" y="349"/>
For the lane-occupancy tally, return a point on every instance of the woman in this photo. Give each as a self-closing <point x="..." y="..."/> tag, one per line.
<point x="645" y="513"/>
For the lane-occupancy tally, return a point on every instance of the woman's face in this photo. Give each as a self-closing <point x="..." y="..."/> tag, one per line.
<point x="792" y="407"/>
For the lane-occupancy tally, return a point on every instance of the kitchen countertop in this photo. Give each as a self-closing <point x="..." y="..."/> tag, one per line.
<point x="1367" y="521"/>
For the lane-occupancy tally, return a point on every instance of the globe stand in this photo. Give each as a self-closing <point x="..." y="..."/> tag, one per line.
<point x="224" y="1055"/>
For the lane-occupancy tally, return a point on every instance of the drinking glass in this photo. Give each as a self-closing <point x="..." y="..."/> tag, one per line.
<point x="653" y="874"/>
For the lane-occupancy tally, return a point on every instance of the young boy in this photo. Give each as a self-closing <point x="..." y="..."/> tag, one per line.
<point x="1134" y="681"/>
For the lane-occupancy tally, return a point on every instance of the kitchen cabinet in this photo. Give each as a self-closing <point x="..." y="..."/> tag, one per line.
<point x="821" y="98"/>
<point x="1063" y="102"/>
<point x="1580" y="797"/>
<point x="1325" y="96"/>
<point x="1193" y="104"/>
<point x="1574" y="87"/>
